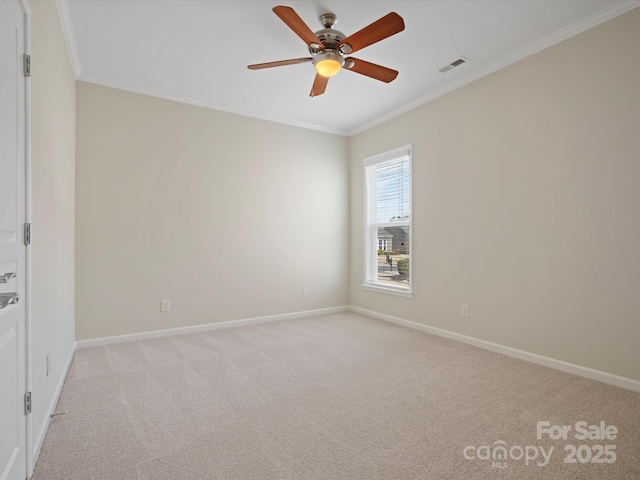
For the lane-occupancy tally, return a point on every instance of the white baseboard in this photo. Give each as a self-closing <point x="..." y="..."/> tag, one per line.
<point x="96" y="342"/>
<point x="590" y="373"/>
<point x="37" y="446"/>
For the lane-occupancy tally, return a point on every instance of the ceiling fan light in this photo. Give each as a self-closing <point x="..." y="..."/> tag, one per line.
<point x="328" y="68"/>
<point x="328" y="64"/>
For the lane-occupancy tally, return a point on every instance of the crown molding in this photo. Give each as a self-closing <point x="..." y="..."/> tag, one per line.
<point x="69" y="36"/>
<point x="199" y="102"/>
<point x="614" y="10"/>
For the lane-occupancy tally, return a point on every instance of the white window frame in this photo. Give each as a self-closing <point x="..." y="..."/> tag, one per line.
<point x="370" y="250"/>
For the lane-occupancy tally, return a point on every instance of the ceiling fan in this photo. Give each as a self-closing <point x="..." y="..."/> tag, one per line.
<point x="328" y="47"/>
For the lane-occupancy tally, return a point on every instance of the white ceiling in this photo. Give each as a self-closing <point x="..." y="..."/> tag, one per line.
<point x="196" y="51"/>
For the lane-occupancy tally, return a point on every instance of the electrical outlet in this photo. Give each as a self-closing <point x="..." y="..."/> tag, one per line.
<point x="48" y="364"/>
<point x="166" y="306"/>
<point x="464" y="309"/>
<point x="305" y="292"/>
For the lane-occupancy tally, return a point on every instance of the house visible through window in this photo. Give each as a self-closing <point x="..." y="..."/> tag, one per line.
<point x="388" y="221"/>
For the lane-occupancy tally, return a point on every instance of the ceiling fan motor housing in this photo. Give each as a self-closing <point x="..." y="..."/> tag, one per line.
<point x="330" y="38"/>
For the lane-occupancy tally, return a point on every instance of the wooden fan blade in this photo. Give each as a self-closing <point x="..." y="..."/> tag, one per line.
<point x="379" y="30"/>
<point x="295" y="23"/>
<point x="319" y="85"/>
<point x="293" y="61"/>
<point x="372" y="70"/>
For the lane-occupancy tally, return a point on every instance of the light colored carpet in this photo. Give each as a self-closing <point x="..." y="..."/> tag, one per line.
<point x="338" y="396"/>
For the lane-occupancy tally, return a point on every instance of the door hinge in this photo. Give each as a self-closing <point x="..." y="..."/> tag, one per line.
<point x="26" y="65"/>
<point x="27" y="234"/>
<point x="27" y="403"/>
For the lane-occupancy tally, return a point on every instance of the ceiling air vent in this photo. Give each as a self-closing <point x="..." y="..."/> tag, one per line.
<point x="454" y="64"/>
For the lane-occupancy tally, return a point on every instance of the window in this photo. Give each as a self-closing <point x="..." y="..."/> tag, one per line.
<point x="388" y="221"/>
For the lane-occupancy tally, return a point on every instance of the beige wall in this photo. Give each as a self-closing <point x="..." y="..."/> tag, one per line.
<point x="229" y="217"/>
<point x="53" y="183"/>
<point x="526" y="204"/>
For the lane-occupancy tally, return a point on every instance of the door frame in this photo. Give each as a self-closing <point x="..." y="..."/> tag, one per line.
<point x="28" y="438"/>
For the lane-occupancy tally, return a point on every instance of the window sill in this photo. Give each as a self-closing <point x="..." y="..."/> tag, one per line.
<point x="384" y="289"/>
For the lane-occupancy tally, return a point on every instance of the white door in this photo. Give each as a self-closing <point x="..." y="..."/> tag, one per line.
<point x="12" y="249"/>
